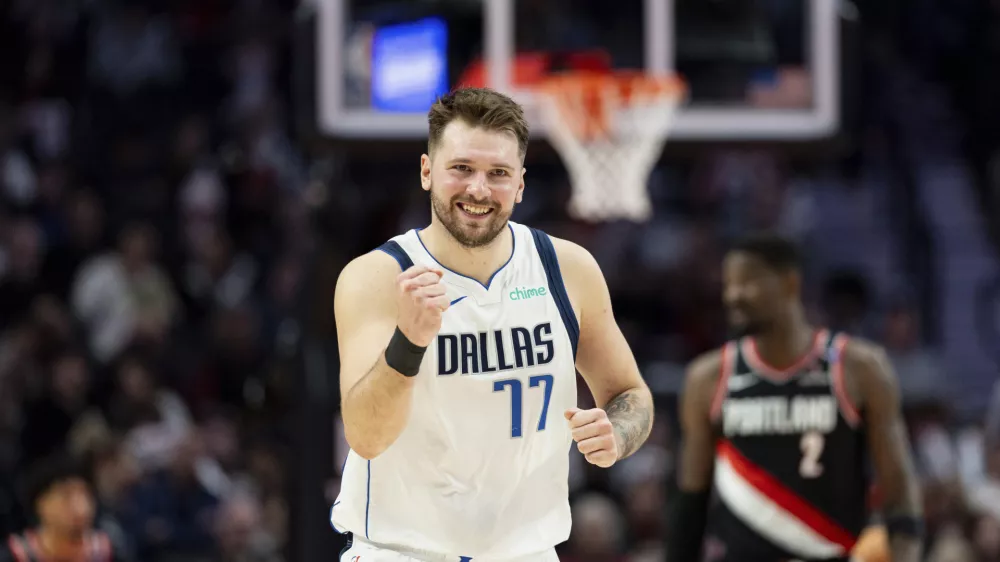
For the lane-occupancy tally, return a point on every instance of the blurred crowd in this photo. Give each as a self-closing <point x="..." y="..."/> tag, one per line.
<point x="159" y="221"/>
<point x="151" y="253"/>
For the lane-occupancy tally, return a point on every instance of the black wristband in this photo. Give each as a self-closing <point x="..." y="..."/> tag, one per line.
<point x="910" y="525"/>
<point x="403" y="355"/>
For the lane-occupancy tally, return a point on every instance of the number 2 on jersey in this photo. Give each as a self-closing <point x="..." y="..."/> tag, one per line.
<point x="516" y="400"/>
<point x="812" y="445"/>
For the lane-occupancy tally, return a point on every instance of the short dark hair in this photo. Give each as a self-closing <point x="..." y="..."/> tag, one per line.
<point x="478" y="107"/>
<point x="846" y="284"/>
<point x="50" y="471"/>
<point x="778" y="252"/>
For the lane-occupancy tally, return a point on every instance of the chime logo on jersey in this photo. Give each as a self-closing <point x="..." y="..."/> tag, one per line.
<point x="525" y="293"/>
<point x="779" y="415"/>
<point x="495" y="351"/>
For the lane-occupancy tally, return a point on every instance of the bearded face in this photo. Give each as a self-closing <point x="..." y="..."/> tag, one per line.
<point x="475" y="179"/>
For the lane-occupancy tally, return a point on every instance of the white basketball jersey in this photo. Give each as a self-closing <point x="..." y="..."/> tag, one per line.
<point x="481" y="469"/>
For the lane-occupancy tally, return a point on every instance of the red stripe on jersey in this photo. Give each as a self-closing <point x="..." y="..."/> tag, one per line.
<point x="847" y="407"/>
<point x="786" y="499"/>
<point x="726" y="362"/>
<point x="17" y="549"/>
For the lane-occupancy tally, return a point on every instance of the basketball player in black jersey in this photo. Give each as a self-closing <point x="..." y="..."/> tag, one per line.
<point x="781" y="423"/>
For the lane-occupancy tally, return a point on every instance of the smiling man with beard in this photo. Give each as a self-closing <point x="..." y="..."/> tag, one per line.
<point x="781" y="422"/>
<point x="459" y="346"/>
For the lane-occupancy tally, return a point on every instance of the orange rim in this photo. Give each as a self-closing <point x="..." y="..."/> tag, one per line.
<point x="582" y="97"/>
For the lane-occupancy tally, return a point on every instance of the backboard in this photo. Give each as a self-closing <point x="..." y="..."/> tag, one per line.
<point x="757" y="69"/>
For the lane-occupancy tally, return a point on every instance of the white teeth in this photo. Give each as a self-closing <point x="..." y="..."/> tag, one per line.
<point x="475" y="209"/>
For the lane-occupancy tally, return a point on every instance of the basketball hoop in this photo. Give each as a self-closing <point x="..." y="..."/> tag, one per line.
<point x="609" y="130"/>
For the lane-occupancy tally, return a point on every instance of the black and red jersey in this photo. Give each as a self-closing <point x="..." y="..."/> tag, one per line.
<point x="26" y="548"/>
<point x="790" y="470"/>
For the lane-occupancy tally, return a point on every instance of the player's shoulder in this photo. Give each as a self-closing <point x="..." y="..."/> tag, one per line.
<point x="867" y="371"/>
<point x="373" y="272"/>
<point x="863" y="355"/>
<point x="705" y="369"/>
<point x="581" y="274"/>
<point x="701" y="380"/>
<point x="574" y="259"/>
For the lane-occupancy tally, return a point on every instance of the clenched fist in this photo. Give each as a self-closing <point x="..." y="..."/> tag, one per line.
<point x="420" y="300"/>
<point x="594" y="435"/>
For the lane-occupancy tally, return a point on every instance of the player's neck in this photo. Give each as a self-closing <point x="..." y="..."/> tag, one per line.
<point x="60" y="545"/>
<point x="478" y="263"/>
<point x="786" y="343"/>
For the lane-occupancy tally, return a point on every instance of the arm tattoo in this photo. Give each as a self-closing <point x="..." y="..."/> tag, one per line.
<point x="632" y="419"/>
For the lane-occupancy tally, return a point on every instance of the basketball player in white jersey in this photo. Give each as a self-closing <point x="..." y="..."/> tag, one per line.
<point x="459" y="347"/>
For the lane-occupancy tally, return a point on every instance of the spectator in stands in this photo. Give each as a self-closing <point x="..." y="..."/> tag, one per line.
<point x="114" y="474"/>
<point x="986" y="538"/>
<point x="20" y="266"/>
<point x="173" y="511"/>
<point x="921" y="378"/>
<point x="240" y="532"/>
<point x="152" y="419"/>
<point x="83" y="236"/>
<point x="64" y="506"/>
<point x="598" y="530"/>
<point x="49" y="419"/>
<point x="951" y="546"/>
<point x="149" y="286"/>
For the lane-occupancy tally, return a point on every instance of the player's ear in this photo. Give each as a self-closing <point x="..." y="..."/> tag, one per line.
<point x="425" y="172"/>
<point x="793" y="283"/>
<point x="520" y="187"/>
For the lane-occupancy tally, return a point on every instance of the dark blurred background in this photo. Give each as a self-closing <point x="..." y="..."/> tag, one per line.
<point x="172" y="225"/>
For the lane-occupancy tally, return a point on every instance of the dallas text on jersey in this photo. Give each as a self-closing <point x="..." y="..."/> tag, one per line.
<point x="470" y="354"/>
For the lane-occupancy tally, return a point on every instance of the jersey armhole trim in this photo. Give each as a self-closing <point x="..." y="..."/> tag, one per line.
<point x="398" y="253"/>
<point x="727" y="363"/>
<point x="347" y="546"/>
<point x="844" y="402"/>
<point x="17" y="548"/>
<point x="368" y="499"/>
<point x="550" y="263"/>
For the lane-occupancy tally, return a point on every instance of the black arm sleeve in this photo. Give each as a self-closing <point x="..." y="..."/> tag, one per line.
<point x="686" y="519"/>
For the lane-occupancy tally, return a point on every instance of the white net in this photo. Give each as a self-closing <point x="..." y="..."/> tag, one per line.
<point x="610" y="131"/>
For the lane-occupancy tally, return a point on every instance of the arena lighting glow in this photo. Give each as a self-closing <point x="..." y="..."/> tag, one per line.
<point x="409" y="65"/>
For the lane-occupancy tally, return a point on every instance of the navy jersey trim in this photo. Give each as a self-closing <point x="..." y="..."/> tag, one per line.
<point x="547" y="253"/>
<point x="489" y="282"/>
<point x="368" y="500"/>
<point x="334" y="525"/>
<point x="398" y="253"/>
<point x="343" y="551"/>
<point x="343" y="470"/>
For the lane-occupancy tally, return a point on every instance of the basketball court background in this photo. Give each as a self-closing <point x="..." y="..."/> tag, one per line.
<point x="761" y="73"/>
